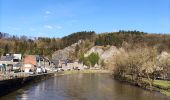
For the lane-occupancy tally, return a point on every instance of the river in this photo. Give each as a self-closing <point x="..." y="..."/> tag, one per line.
<point x="82" y="87"/>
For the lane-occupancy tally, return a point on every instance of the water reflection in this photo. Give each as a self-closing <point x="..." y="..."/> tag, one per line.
<point x="24" y="96"/>
<point x="83" y="87"/>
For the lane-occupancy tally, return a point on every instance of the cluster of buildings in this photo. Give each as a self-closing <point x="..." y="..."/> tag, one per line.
<point x="70" y="65"/>
<point x="36" y="64"/>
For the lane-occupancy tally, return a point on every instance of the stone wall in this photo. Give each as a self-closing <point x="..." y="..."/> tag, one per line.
<point x="7" y="86"/>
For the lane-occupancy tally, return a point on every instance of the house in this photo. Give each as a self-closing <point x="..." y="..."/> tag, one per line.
<point x="17" y="57"/>
<point x="35" y="63"/>
<point x="78" y="65"/>
<point x="2" y="68"/>
<point x="30" y="63"/>
<point x="47" y="63"/>
<point x="9" y="60"/>
<point x="17" y="66"/>
<point x="54" y="63"/>
<point x="70" y="65"/>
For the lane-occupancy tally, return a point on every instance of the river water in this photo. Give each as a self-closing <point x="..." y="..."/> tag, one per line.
<point x="83" y="87"/>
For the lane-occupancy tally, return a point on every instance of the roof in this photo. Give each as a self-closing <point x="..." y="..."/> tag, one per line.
<point x="56" y="62"/>
<point x="18" y="65"/>
<point x="17" y="56"/>
<point x="67" y="61"/>
<point x="30" y="59"/>
<point x="7" y="58"/>
<point x="37" y="57"/>
<point x="46" y="59"/>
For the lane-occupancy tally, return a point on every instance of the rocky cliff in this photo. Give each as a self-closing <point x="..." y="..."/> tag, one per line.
<point x="65" y="53"/>
<point x="107" y="54"/>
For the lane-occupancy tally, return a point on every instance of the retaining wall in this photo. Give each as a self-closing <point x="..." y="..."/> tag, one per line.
<point x="7" y="86"/>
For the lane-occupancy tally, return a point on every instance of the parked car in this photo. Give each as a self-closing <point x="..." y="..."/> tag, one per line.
<point x="39" y="70"/>
<point x="17" y="70"/>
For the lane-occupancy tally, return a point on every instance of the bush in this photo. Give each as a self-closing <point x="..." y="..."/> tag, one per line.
<point x="93" y="58"/>
<point x="137" y="63"/>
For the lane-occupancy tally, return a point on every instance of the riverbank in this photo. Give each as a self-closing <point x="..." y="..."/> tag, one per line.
<point x="9" y="85"/>
<point x="94" y="86"/>
<point x="85" y="71"/>
<point x="161" y="86"/>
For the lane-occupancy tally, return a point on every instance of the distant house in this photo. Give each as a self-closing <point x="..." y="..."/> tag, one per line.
<point x="70" y="65"/>
<point x="30" y="63"/>
<point x="47" y="63"/>
<point x="63" y="64"/>
<point x="17" y="57"/>
<point x="9" y="60"/>
<point x="17" y="61"/>
<point x="17" y="66"/>
<point x="78" y="65"/>
<point x="54" y="63"/>
<point x="2" y="67"/>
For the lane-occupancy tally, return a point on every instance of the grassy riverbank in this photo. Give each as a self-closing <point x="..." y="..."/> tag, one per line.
<point x="161" y="86"/>
<point x="85" y="71"/>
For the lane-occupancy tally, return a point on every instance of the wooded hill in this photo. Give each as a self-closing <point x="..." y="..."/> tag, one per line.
<point x="46" y="46"/>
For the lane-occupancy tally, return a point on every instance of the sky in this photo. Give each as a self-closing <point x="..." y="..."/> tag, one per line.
<point x="58" y="18"/>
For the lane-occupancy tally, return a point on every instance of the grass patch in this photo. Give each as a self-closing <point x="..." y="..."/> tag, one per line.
<point x="162" y="83"/>
<point x="167" y="93"/>
<point x="163" y="86"/>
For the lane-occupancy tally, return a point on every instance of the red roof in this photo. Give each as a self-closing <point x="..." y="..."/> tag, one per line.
<point x="30" y="59"/>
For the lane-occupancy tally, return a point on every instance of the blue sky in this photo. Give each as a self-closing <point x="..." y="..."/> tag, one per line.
<point x="57" y="18"/>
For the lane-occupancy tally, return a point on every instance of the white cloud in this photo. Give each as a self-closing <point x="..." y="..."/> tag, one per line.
<point x="59" y="27"/>
<point x="53" y="27"/>
<point x="48" y="26"/>
<point x="47" y="12"/>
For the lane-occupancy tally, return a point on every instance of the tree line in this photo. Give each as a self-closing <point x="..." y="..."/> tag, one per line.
<point x="46" y="46"/>
<point x="40" y="45"/>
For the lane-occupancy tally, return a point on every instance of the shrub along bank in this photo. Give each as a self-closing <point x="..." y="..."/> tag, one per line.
<point x="141" y="67"/>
